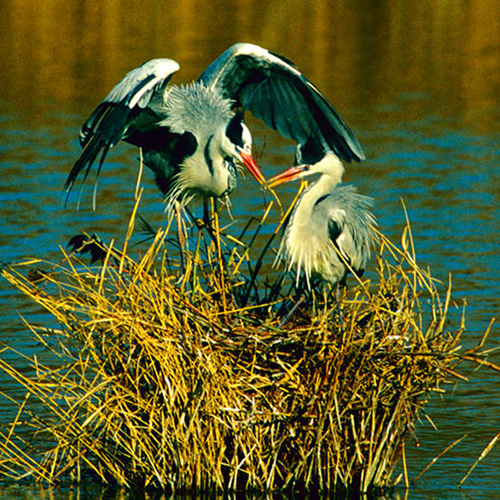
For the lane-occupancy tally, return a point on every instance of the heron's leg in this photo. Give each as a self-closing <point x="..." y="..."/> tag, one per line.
<point x="180" y="235"/>
<point x="207" y="220"/>
<point x="214" y="230"/>
<point x="206" y="213"/>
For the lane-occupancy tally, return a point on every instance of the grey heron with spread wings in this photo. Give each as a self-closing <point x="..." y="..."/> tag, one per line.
<point x="193" y="137"/>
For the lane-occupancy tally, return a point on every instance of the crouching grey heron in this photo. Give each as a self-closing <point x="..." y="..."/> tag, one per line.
<point x="331" y="230"/>
<point x="193" y="137"/>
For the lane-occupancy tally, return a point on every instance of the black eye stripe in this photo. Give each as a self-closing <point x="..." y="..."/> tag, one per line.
<point x="208" y="159"/>
<point x="234" y="130"/>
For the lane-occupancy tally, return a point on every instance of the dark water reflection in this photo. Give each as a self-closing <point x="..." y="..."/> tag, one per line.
<point x="419" y="85"/>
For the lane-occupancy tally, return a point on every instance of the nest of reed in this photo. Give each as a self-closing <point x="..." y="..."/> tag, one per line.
<point x="185" y="381"/>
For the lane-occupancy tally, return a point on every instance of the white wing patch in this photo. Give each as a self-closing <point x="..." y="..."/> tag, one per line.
<point x="156" y="69"/>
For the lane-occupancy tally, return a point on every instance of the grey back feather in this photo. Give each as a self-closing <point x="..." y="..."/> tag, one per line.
<point x="353" y="229"/>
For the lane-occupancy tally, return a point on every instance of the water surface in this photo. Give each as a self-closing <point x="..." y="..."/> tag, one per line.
<point x="418" y="84"/>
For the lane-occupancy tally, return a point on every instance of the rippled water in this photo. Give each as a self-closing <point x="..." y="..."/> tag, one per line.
<point x="419" y="88"/>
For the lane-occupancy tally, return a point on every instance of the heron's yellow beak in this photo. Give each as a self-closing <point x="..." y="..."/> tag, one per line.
<point x="252" y="167"/>
<point x="286" y="176"/>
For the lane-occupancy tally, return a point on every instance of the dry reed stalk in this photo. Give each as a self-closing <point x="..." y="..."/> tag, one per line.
<point x="185" y="382"/>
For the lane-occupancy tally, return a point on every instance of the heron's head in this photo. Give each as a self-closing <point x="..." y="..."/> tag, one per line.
<point x="224" y="141"/>
<point x="329" y="165"/>
<point x="236" y="142"/>
<point x="221" y="151"/>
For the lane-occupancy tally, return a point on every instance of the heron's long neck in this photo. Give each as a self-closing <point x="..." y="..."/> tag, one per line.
<point x="304" y="242"/>
<point x="331" y="176"/>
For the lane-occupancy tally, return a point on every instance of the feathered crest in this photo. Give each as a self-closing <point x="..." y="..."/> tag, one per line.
<point x="194" y="107"/>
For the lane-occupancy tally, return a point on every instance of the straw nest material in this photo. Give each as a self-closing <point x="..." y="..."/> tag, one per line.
<point x="184" y="380"/>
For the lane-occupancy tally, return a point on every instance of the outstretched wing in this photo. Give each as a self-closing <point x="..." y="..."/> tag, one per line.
<point x="274" y="90"/>
<point x="132" y="101"/>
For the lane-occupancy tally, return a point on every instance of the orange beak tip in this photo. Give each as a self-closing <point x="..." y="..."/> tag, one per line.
<point x="252" y="167"/>
<point x="285" y="176"/>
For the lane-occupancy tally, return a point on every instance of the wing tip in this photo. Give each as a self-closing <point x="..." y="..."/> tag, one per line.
<point x="358" y="154"/>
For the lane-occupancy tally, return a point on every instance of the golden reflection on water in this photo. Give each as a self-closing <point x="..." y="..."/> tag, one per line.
<point x="359" y="53"/>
